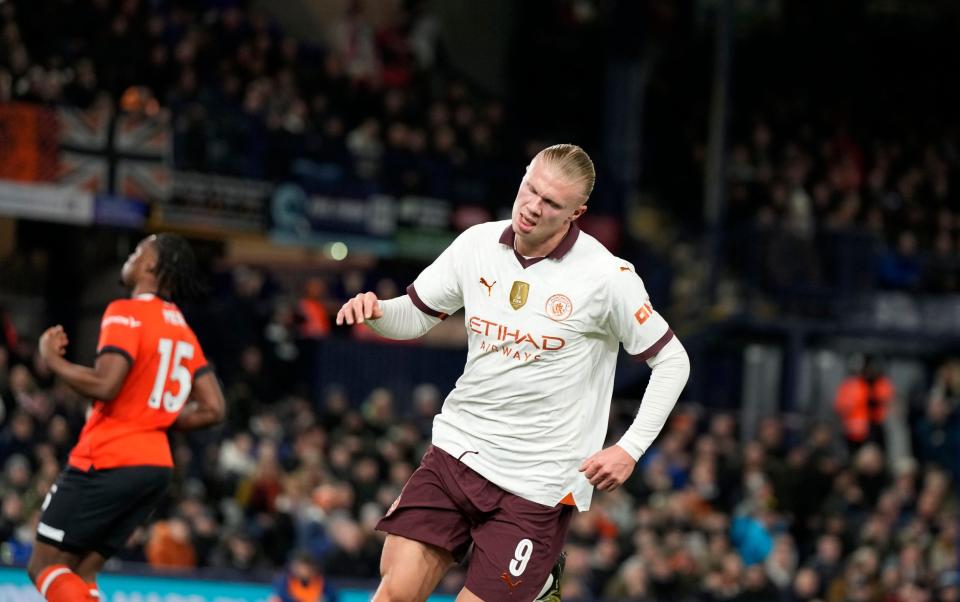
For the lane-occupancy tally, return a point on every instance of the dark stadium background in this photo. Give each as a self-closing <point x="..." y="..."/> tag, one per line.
<point x="784" y="174"/>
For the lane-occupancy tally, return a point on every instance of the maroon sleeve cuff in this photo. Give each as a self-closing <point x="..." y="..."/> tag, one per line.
<point x="654" y="349"/>
<point x="418" y="302"/>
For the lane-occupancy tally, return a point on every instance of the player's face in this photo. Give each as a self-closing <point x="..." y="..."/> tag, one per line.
<point x="546" y="202"/>
<point x="141" y="261"/>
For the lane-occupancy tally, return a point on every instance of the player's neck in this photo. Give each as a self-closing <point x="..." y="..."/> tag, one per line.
<point x="543" y="249"/>
<point x="144" y="288"/>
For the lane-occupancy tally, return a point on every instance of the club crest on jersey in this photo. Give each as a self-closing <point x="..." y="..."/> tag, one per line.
<point x="518" y="294"/>
<point x="559" y="307"/>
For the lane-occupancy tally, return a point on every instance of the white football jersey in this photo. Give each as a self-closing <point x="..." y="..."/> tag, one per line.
<point x="543" y="336"/>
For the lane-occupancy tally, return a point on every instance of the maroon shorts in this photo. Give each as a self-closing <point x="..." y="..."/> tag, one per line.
<point x="516" y="541"/>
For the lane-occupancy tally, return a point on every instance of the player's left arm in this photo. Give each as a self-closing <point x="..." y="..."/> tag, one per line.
<point x="609" y="468"/>
<point x="102" y="382"/>
<point x="206" y="407"/>
<point x="647" y="335"/>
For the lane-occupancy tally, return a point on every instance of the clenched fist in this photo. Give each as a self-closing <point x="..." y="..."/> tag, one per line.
<point x="364" y="306"/>
<point x="609" y="468"/>
<point x="53" y="343"/>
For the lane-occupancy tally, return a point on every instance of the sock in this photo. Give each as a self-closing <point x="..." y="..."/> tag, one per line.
<point x="57" y="583"/>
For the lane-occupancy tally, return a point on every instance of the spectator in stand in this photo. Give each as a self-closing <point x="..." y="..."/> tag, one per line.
<point x="862" y="402"/>
<point x="19" y="436"/>
<point x="901" y="268"/>
<point x="937" y="436"/>
<point x="302" y="581"/>
<point x="169" y="545"/>
<point x="314" y="309"/>
<point x="946" y="384"/>
<point x="239" y="552"/>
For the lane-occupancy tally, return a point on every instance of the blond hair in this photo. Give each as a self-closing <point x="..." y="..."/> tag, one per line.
<point x="573" y="162"/>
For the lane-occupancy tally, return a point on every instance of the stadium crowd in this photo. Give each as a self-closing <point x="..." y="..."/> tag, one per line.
<point x="835" y="204"/>
<point x="373" y="108"/>
<point x="842" y="207"/>
<point x="785" y="514"/>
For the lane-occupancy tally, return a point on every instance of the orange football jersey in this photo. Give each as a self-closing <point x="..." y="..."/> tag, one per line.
<point x="164" y="357"/>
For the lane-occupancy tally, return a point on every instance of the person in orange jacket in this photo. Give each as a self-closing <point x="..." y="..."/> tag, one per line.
<point x="862" y="402"/>
<point x="302" y="582"/>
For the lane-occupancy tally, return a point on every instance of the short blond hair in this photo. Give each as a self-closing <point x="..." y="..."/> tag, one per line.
<point x="573" y="162"/>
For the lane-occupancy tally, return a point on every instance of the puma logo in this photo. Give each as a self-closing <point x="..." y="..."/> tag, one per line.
<point x="624" y="268"/>
<point x="511" y="585"/>
<point x="489" y="285"/>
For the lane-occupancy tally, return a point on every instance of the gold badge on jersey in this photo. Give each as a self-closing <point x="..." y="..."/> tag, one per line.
<point x="518" y="294"/>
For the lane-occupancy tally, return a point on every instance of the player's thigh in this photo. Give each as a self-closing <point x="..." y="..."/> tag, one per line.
<point x="44" y="555"/>
<point x="514" y="552"/>
<point x="410" y="570"/>
<point x="425" y="511"/>
<point x="90" y="565"/>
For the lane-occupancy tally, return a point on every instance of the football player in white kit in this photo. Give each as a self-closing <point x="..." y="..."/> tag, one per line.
<point x="518" y="443"/>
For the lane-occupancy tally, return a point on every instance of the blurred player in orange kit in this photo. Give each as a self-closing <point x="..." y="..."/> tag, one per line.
<point x="150" y="376"/>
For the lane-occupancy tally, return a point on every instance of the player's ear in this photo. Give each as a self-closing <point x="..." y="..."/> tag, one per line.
<point x="152" y="257"/>
<point x="578" y="212"/>
<point x="149" y="262"/>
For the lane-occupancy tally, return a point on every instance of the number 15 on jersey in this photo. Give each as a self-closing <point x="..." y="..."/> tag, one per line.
<point x="161" y="395"/>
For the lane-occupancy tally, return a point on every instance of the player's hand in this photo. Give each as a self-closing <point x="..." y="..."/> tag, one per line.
<point x="53" y="342"/>
<point x="608" y="468"/>
<point x="364" y="306"/>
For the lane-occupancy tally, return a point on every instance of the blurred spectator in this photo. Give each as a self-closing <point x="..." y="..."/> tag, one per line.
<point x="302" y="581"/>
<point x="946" y="384"/>
<point x="426" y="405"/>
<point x="314" y="308"/>
<point x="862" y="402"/>
<point x="827" y="561"/>
<point x="249" y="390"/>
<point x="630" y="582"/>
<point x="751" y="534"/>
<point x="781" y="563"/>
<point x="938" y="436"/>
<point x="805" y="587"/>
<point x="900" y="268"/>
<point x="378" y="410"/>
<point x="239" y="552"/>
<point x="27" y="395"/>
<point x="18" y="436"/>
<point x="258" y="493"/>
<point x="356" y="553"/>
<point x="169" y="546"/>
<point x="9" y="337"/>
<point x="281" y="339"/>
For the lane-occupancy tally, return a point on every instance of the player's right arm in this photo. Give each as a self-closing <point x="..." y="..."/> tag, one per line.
<point x="434" y="295"/>
<point x="206" y="406"/>
<point x="395" y="318"/>
<point x="102" y="382"/>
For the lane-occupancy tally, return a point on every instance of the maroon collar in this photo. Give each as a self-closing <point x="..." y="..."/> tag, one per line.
<point x="509" y="236"/>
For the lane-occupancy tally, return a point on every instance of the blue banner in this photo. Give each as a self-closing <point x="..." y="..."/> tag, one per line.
<point x="15" y="586"/>
<point x="112" y="210"/>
